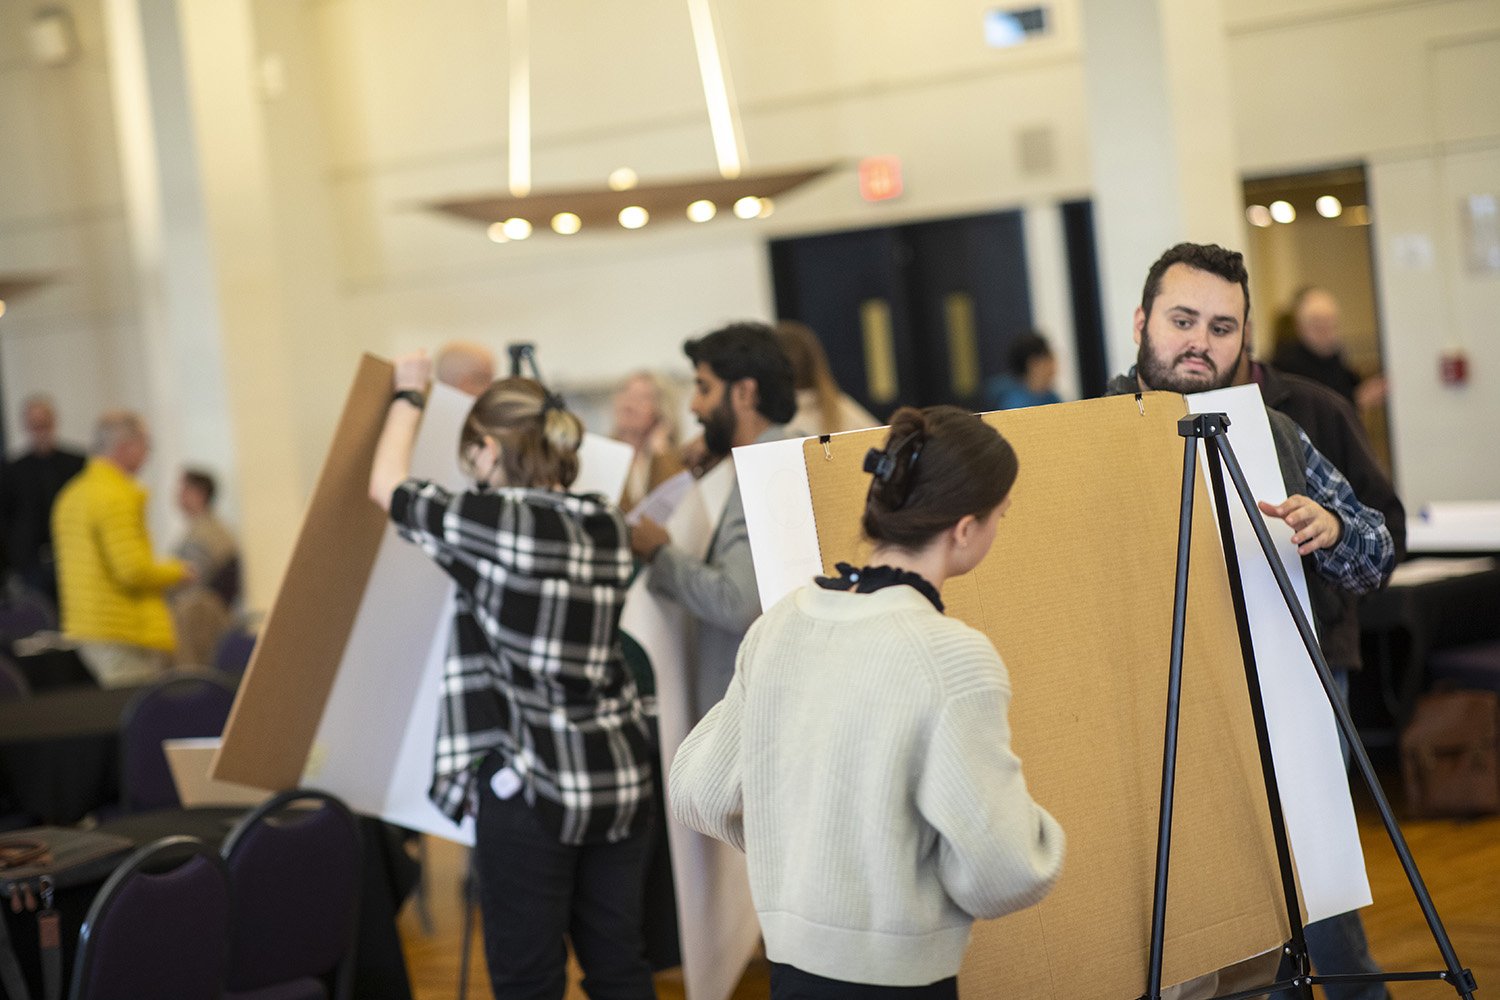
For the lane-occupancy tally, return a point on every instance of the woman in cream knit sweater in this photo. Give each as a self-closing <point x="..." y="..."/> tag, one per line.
<point x="861" y="757"/>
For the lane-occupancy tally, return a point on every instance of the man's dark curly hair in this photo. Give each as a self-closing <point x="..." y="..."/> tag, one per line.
<point x="1210" y="257"/>
<point x="750" y="350"/>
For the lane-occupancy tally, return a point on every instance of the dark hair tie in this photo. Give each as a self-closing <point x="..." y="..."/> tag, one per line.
<point x="879" y="464"/>
<point x="552" y="401"/>
<point x="883" y="464"/>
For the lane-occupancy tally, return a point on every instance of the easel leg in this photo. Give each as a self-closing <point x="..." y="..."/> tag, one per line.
<point x="1169" y="744"/>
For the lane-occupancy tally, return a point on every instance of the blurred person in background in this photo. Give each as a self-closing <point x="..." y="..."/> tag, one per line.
<point x="28" y="489"/>
<point x="1031" y="378"/>
<point x="822" y="408"/>
<point x="201" y="610"/>
<point x="644" y="418"/>
<point x="1310" y="343"/>
<point x="465" y="365"/>
<point x="111" y="583"/>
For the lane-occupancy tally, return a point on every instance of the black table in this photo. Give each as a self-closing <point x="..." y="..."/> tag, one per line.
<point x="1404" y="623"/>
<point x="54" y="669"/>
<point x="59" y="752"/>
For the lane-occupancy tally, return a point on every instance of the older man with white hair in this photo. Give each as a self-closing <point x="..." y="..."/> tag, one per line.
<point x="110" y="582"/>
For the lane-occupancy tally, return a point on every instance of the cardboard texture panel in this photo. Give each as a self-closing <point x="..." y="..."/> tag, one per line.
<point x="302" y="641"/>
<point x="1077" y="597"/>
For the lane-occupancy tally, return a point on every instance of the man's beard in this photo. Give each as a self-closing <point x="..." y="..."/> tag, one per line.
<point x="1155" y="374"/>
<point x="719" y="428"/>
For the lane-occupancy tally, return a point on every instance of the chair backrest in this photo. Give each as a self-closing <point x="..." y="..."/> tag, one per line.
<point x="233" y="654"/>
<point x="24" y="615"/>
<point x="226" y="581"/>
<point x="157" y="930"/>
<point x="13" y="683"/>
<point x="176" y="706"/>
<point x="296" y="877"/>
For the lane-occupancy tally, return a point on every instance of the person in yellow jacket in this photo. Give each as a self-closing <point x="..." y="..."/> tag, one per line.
<point x="110" y="584"/>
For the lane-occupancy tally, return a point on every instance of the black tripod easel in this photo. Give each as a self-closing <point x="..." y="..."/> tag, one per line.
<point x="1210" y="429"/>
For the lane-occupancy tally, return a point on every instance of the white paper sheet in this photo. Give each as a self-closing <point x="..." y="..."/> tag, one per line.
<point x="779" y="516"/>
<point x="1304" y="736"/>
<point x="716" y="918"/>
<point x="374" y="743"/>
<point x="659" y="504"/>
<point x="603" y="465"/>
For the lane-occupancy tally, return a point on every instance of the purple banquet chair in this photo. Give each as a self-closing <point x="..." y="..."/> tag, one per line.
<point x="23" y="616"/>
<point x="232" y="655"/>
<point x="154" y="934"/>
<point x="177" y="706"/>
<point x="295" y="873"/>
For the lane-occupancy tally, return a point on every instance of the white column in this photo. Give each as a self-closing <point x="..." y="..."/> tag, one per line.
<point x="273" y="342"/>
<point x="225" y="360"/>
<point x="177" y="349"/>
<point x="1051" y="294"/>
<point x="1161" y="143"/>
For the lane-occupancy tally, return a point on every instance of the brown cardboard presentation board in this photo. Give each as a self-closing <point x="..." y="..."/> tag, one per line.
<point x="1077" y="597"/>
<point x="281" y="698"/>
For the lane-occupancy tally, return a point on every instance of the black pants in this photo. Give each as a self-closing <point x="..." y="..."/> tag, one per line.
<point x="790" y="983"/>
<point x="534" y="892"/>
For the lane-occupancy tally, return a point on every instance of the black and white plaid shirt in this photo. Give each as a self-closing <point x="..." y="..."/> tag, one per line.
<point x="534" y="669"/>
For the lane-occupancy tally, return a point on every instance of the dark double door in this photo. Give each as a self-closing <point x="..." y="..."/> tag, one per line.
<point x="926" y="313"/>
<point x="917" y="314"/>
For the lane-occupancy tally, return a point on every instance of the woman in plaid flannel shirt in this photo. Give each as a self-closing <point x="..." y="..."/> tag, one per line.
<point x="541" y="734"/>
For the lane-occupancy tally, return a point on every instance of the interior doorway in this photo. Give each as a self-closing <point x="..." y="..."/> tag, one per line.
<point x="1314" y="229"/>
<point x="916" y="315"/>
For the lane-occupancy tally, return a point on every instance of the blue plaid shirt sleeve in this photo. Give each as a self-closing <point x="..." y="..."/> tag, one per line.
<point x="1365" y="553"/>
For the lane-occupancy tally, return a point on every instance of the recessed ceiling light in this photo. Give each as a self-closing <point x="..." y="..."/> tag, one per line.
<point x="747" y="207"/>
<point x="1282" y="211"/>
<point x="517" y="228"/>
<point x="623" y="179"/>
<point x="634" y="217"/>
<point x="566" y="223"/>
<point x="702" y="210"/>
<point x="1329" y="207"/>
<point x="496" y="232"/>
<point x="1258" y="215"/>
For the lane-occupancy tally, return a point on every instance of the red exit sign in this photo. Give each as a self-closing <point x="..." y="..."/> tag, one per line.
<point x="880" y="178"/>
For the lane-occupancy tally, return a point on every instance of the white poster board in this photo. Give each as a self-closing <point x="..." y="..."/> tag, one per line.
<point x="1304" y="736"/>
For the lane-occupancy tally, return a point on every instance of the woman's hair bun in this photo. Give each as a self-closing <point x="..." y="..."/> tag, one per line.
<point x="937" y="466"/>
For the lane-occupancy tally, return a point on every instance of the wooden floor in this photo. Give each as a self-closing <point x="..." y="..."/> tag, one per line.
<point x="1460" y="862"/>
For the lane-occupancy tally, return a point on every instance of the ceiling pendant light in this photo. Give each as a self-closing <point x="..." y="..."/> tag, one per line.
<point x="520" y="98"/>
<point x="625" y="200"/>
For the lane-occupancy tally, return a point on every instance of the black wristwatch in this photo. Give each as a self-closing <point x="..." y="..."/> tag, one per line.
<point x="412" y="396"/>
